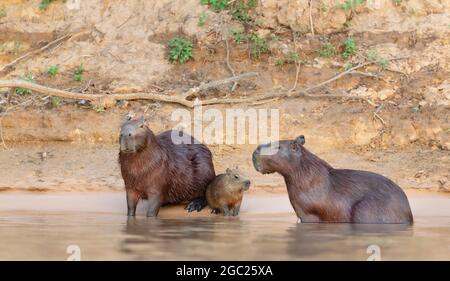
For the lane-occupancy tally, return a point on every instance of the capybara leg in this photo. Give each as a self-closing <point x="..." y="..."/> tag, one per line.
<point x="215" y="211"/>
<point x="155" y="203"/>
<point x="196" y="205"/>
<point x="236" y="210"/>
<point x="226" y="211"/>
<point x="132" y="201"/>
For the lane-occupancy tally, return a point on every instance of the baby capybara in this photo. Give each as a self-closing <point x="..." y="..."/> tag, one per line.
<point x="320" y="193"/>
<point x="156" y="169"/>
<point x="224" y="194"/>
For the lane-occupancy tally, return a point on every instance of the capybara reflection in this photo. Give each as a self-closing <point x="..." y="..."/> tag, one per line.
<point x="320" y="193"/>
<point x="156" y="169"/>
<point x="224" y="194"/>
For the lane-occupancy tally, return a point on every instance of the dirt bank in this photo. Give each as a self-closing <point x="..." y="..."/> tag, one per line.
<point x="391" y="117"/>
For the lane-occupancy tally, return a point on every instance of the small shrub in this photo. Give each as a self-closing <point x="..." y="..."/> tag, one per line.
<point x="351" y="4"/>
<point x="280" y="62"/>
<point x="53" y="70"/>
<point x="293" y="57"/>
<point x="373" y="56"/>
<point x="99" y="109"/>
<point x="259" y="45"/>
<point x="43" y="6"/>
<point x="2" y="13"/>
<point x="202" y="18"/>
<point x="216" y="5"/>
<point x="23" y="91"/>
<point x="240" y="9"/>
<point x="350" y="48"/>
<point x="348" y="65"/>
<point x="238" y="36"/>
<point x="397" y="2"/>
<point x="78" y="74"/>
<point x="274" y="37"/>
<point x="56" y="102"/>
<point x="180" y="50"/>
<point x="327" y="50"/>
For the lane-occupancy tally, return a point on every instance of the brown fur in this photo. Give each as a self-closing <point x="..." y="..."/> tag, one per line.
<point x="320" y="193"/>
<point x="224" y="194"/>
<point x="155" y="168"/>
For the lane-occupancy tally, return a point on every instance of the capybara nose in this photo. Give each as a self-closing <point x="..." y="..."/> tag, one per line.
<point x="247" y="183"/>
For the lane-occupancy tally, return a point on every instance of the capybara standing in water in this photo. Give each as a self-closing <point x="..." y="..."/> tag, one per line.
<point x="224" y="194"/>
<point x="156" y="169"/>
<point x="320" y="193"/>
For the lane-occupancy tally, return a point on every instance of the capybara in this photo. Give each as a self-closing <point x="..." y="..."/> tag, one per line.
<point x="224" y="194"/>
<point x="320" y="193"/>
<point x="156" y="169"/>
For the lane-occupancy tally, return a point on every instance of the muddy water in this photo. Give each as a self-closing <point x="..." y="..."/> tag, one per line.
<point x="42" y="226"/>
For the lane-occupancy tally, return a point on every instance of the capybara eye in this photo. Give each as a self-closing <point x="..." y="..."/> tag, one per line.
<point x="236" y="176"/>
<point x="293" y="146"/>
<point x="142" y="126"/>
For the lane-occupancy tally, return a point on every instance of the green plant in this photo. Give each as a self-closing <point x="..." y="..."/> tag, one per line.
<point x="327" y="50"/>
<point x="2" y="13"/>
<point x="53" y="70"/>
<point x="216" y="5"/>
<point x="280" y="62"/>
<point x="43" y="6"/>
<point x="349" y="47"/>
<point x="293" y="57"/>
<point x="274" y="37"/>
<point x="99" y="109"/>
<point x="202" y="18"/>
<point x="238" y="36"/>
<point x="78" y="74"/>
<point x="323" y="7"/>
<point x="373" y="56"/>
<point x="241" y="8"/>
<point x="23" y="91"/>
<point x="351" y="4"/>
<point x="397" y="2"/>
<point x="348" y="66"/>
<point x="56" y="102"/>
<point x="17" y="47"/>
<point x="259" y="45"/>
<point x="180" y="50"/>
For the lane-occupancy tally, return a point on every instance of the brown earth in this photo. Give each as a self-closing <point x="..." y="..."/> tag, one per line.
<point x="399" y="126"/>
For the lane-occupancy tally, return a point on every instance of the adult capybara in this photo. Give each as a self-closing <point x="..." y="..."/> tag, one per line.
<point x="156" y="169"/>
<point x="320" y="193"/>
<point x="224" y="194"/>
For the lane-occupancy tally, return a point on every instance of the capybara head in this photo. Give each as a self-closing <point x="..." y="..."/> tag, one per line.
<point x="237" y="180"/>
<point x="133" y="135"/>
<point x="288" y="153"/>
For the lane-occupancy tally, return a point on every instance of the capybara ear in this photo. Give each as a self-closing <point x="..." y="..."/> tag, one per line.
<point x="300" y="140"/>
<point x="127" y="118"/>
<point x="228" y="171"/>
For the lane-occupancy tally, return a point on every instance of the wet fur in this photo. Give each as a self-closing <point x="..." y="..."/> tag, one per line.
<point x="320" y="193"/>
<point x="175" y="173"/>
<point x="227" y="191"/>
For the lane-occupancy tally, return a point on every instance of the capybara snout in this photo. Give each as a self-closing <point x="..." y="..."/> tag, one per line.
<point x="132" y="136"/>
<point x="274" y="157"/>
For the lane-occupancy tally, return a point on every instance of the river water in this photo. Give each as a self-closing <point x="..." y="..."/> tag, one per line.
<point x="93" y="226"/>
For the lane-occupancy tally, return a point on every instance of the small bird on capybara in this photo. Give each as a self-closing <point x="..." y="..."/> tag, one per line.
<point x="224" y="194"/>
<point x="320" y="193"/>
<point x="156" y="169"/>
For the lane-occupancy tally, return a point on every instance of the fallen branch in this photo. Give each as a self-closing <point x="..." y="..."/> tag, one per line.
<point x="203" y="86"/>
<point x="102" y="100"/>
<point x="35" y="52"/>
